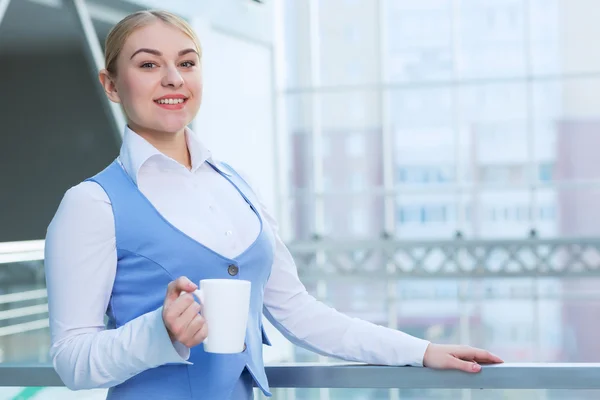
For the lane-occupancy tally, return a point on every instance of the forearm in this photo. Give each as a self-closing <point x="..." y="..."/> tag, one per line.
<point x="106" y="358"/>
<point x="322" y="329"/>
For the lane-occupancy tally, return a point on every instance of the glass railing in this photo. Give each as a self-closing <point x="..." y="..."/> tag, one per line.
<point x="23" y="303"/>
<point x="496" y="301"/>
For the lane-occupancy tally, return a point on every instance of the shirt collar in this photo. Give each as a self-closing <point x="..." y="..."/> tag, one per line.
<point x="136" y="151"/>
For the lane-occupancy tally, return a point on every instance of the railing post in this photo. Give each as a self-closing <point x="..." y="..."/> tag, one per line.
<point x="322" y="295"/>
<point x="392" y="311"/>
<point x="464" y="322"/>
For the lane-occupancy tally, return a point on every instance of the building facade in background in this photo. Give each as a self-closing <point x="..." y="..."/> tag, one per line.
<point x="487" y="113"/>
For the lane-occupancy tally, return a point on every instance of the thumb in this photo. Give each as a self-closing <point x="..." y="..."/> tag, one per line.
<point x="181" y="284"/>
<point x="467" y="366"/>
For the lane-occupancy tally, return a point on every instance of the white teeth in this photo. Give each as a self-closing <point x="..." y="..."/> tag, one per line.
<point x="170" y="101"/>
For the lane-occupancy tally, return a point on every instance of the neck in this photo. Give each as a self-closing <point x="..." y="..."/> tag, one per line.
<point x="173" y="145"/>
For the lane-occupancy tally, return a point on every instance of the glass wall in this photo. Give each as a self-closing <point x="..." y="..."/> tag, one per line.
<point x="472" y="116"/>
<point x="436" y="120"/>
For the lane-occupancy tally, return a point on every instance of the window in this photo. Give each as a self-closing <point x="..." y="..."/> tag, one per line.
<point x="522" y="213"/>
<point x="493" y="214"/>
<point x="425" y="174"/>
<point x="413" y="175"/>
<point x="546" y="172"/>
<point x="409" y="214"/>
<point x="501" y="214"/>
<point x="423" y="214"/>
<point x="360" y="298"/>
<point x="351" y="34"/>
<point x="329" y="227"/>
<point x="434" y="213"/>
<point x="547" y="212"/>
<point x="359" y="221"/>
<point x="357" y="181"/>
<point x="494" y="174"/>
<point x="502" y="174"/>
<point x="326" y="146"/>
<point x="355" y="145"/>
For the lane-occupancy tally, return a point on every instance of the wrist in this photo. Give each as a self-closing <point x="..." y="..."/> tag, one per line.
<point x="167" y="328"/>
<point x="427" y="354"/>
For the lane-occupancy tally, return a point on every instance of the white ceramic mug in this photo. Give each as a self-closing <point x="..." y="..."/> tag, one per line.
<point x="225" y="307"/>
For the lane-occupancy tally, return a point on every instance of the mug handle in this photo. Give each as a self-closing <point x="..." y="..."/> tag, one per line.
<point x="199" y="293"/>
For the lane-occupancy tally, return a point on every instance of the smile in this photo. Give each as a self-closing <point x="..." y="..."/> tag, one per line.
<point x="171" y="103"/>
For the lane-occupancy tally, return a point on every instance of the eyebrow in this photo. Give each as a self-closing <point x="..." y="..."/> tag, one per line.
<point x="159" y="54"/>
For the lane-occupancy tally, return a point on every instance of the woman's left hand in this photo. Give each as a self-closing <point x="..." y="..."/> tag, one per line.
<point x="464" y="358"/>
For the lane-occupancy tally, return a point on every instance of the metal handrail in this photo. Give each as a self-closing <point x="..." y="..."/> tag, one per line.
<point x="30" y="250"/>
<point x="315" y="375"/>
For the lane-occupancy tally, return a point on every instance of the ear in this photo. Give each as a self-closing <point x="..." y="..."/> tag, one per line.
<point x="109" y="86"/>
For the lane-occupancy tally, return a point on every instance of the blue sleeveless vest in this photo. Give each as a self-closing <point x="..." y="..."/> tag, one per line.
<point x="151" y="252"/>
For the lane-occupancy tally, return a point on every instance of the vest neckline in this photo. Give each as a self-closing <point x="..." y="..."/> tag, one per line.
<point x="185" y="235"/>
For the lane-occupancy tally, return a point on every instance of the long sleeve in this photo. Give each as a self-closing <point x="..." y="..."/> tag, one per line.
<point x="80" y="263"/>
<point x="315" y="326"/>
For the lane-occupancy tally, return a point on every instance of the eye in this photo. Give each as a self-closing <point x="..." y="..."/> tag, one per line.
<point x="148" y="65"/>
<point x="188" y="64"/>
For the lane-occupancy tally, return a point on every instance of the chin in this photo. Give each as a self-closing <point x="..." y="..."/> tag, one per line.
<point x="171" y="126"/>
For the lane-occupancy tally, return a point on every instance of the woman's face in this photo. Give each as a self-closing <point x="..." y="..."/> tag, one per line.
<point x="158" y="79"/>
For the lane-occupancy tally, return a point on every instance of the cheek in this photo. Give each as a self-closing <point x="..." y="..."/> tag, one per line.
<point x="136" y="87"/>
<point x="194" y="84"/>
<point x="198" y="92"/>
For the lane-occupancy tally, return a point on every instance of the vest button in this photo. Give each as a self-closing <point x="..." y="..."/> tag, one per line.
<point x="233" y="270"/>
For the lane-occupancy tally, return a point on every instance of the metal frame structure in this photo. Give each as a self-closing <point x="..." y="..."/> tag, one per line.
<point x="3" y="7"/>
<point x="85" y="13"/>
<point x="95" y="58"/>
<point x="391" y="258"/>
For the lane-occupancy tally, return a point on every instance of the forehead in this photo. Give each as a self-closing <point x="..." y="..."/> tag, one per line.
<point x="160" y="36"/>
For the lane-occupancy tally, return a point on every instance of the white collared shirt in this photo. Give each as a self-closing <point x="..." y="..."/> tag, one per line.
<point x="81" y="262"/>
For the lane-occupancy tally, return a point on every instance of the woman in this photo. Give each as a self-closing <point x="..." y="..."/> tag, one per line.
<point x="160" y="218"/>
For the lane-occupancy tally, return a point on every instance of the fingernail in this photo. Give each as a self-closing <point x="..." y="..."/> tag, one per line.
<point x="476" y="367"/>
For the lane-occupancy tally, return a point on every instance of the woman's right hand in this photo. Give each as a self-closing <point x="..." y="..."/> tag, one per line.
<point x="181" y="314"/>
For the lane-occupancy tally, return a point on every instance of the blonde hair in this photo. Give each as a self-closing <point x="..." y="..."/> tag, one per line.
<point x="120" y="32"/>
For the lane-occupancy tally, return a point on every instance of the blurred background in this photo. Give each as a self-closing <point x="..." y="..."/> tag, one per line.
<point x="432" y="163"/>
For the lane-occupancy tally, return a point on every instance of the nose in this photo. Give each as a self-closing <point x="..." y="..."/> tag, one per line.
<point x="172" y="78"/>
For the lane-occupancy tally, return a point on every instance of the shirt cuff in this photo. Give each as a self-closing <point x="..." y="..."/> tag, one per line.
<point x="404" y="349"/>
<point x="164" y="351"/>
<point x="413" y="351"/>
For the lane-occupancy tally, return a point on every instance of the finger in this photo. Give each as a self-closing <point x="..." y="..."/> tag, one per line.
<point x="176" y="308"/>
<point x="201" y="335"/>
<point x="189" y="314"/>
<point x="191" y="332"/>
<point x="480" y="356"/>
<point x="485" y="356"/>
<point x="467" y="366"/>
<point x="181" y="284"/>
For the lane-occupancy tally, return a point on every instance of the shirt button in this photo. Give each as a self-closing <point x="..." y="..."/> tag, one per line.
<point x="233" y="270"/>
<point x="228" y="233"/>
